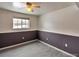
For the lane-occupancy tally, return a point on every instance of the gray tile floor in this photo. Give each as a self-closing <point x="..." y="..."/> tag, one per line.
<point x="34" y="49"/>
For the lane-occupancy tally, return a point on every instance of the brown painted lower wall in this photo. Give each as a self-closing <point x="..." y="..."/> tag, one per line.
<point x="7" y="39"/>
<point x="55" y="39"/>
<point x="59" y="41"/>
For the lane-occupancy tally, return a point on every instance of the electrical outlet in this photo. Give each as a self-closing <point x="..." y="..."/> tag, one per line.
<point x="46" y="38"/>
<point x="22" y="37"/>
<point x="66" y="45"/>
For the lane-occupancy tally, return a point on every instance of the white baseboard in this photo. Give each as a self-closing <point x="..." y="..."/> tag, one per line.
<point x="58" y="49"/>
<point x="17" y="44"/>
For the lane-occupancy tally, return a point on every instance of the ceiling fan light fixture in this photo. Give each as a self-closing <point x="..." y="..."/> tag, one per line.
<point x="29" y="9"/>
<point x="26" y="5"/>
<point x="31" y="6"/>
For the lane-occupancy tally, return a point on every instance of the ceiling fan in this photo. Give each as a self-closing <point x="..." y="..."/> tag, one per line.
<point x="31" y="6"/>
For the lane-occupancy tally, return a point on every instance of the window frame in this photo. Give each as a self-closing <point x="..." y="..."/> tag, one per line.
<point x="21" y="23"/>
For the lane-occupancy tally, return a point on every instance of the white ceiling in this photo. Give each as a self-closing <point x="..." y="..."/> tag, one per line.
<point x="45" y="7"/>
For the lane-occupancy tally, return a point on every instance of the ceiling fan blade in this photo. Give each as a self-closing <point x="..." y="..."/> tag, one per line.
<point x="36" y="6"/>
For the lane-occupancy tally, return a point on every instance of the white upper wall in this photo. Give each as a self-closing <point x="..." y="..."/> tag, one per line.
<point x="64" y="21"/>
<point x="6" y="18"/>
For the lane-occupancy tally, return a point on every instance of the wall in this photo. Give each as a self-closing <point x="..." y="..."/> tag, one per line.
<point x="8" y="36"/>
<point x="12" y="38"/>
<point x="56" y="28"/>
<point x="63" y="21"/>
<point x="6" y="21"/>
<point x="61" y="29"/>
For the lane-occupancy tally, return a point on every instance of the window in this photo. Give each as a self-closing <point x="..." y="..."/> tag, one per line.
<point x="20" y="23"/>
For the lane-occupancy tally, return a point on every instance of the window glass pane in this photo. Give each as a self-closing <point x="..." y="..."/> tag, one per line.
<point x="23" y="22"/>
<point x="23" y="26"/>
<point x="14" y="20"/>
<point x="19" y="26"/>
<point x="20" y="23"/>
<point x="27" y="23"/>
<point x="14" y="25"/>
